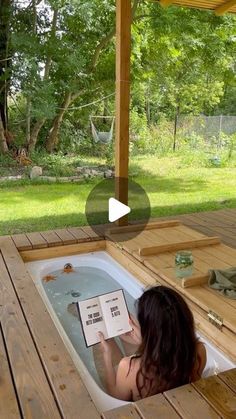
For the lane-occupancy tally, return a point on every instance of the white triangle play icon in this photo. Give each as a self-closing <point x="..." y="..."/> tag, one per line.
<point x="117" y="210"/>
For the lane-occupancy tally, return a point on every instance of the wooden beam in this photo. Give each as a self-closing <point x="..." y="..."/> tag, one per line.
<point x="67" y="250"/>
<point x="123" y="47"/>
<point x="193" y="281"/>
<point x="140" y="227"/>
<point x="166" y="3"/>
<point x="174" y="246"/>
<point x="221" y="10"/>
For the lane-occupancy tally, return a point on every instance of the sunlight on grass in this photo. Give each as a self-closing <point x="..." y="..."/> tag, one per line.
<point x="171" y="190"/>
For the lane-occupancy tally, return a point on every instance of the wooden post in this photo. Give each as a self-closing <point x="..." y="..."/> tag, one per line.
<point x="224" y="8"/>
<point x="123" y="46"/>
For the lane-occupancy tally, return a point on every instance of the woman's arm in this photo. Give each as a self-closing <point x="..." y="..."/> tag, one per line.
<point x="200" y="362"/>
<point x="116" y="382"/>
<point x="133" y="337"/>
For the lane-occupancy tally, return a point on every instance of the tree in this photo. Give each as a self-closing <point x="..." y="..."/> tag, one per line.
<point x="60" y="57"/>
<point x="99" y="41"/>
<point x="47" y="66"/>
<point x="186" y="58"/>
<point x="5" y="61"/>
<point x="64" y="56"/>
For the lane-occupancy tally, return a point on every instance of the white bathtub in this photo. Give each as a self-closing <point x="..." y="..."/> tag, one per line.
<point x="216" y="361"/>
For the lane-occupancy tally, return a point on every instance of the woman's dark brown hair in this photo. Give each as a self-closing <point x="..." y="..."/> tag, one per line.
<point x="168" y="348"/>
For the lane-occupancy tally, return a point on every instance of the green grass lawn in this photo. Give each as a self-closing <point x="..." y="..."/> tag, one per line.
<point x="172" y="189"/>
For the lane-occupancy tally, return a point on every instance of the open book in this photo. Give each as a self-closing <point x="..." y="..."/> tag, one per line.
<point x="106" y="313"/>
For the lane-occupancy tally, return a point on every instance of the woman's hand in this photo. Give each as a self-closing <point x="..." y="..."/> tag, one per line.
<point x="134" y="336"/>
<point x="104" y="345"/>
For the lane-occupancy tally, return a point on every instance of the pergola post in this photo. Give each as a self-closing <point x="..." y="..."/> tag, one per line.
<point x="123" y="47"/>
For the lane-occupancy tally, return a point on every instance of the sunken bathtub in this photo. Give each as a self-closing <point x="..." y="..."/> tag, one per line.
<point x="94" y="273"/>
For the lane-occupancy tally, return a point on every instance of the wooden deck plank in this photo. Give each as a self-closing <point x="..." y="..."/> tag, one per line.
<point x="188" y="232"/>
<point x="219" y="395"/>
<point x="180" y="233"/>
<point x="209" y="231"/>
<point x="140" y="227"/>
<point x="8" y="401"/>
<point x="223" y="229"/>
<point x="65" y="236"/>
<point x="230" y="232"/>
<point x="34" y="393"/>
<point x="222" y="252"/>
<point x="205" y="218"/>
<point x="124" y="412"/>
<point x="229" y="377"/>
<point x="93" y="234"/>
<point x="156" y="407"/>
<point x="184" y="398"/>
<point x="206" y="226"/>
<point x="21" y="241"/>
<point x="59" y="251"/>
<point x="37" y="241"/>
<point x="51" y="238"/>
<point x="216" y="218"/>
<point x="231" y="211"/>
<point x="197" y="294"/>
<point x="65" y="382"/>
<point x="217" y="256"/>
<point x="79" y="234"/>
<point x="225" y="341"/>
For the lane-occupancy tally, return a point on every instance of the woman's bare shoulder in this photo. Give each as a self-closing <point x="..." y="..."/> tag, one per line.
<point x="129" y="365"/>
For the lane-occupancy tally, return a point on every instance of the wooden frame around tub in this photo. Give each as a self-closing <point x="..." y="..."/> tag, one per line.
<point x="46" y="352"/>
<point x="135" y="266"/>
<point x="144" y="274"/>
<point x="67" y="250"/>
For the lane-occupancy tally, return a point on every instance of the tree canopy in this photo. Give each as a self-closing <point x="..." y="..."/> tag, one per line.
<point x="58" y="55"/>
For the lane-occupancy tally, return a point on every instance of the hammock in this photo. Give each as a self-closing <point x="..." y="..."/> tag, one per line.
<point x="104" y="137"/>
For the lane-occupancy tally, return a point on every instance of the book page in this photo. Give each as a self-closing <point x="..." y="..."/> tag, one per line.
<point x="92" y="320"/>
<point x="115" y="313"/>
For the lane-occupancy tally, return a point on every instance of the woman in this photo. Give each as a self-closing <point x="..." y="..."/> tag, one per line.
<point x="168" y="352"/>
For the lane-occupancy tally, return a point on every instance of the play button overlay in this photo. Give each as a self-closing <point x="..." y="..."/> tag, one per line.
<point x="103" y="207"/>
<point x="117" y="210"/>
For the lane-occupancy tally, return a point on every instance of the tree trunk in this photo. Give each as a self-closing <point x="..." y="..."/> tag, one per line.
<point x="40" y="123"/>
<point x="28" y="120"/>
<point x="175" y="127"/>
<point x="5" y="14"/>
<point x="28" y="99"/>
<point x="52" y="139"/>
<point x="3" y="141"/>
<point x="34" y="134"/>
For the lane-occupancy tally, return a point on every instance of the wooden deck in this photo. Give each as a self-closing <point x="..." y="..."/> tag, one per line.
<point x="221" y="223"/>
<point x="37" y="376"/>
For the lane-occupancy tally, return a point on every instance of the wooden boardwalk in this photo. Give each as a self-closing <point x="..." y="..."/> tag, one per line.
<point x="37" y="376"/>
